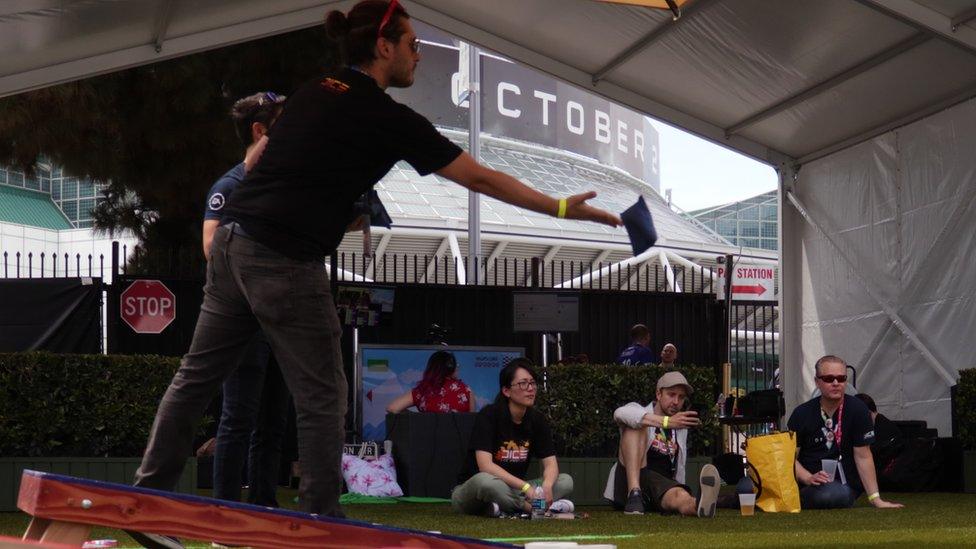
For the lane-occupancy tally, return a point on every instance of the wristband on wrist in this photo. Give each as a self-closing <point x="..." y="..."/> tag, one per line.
<point x="561" y="212"/>
<point x="664" y="423"/>
<point x="526" y="487"/>
<point x="874" y="496"/>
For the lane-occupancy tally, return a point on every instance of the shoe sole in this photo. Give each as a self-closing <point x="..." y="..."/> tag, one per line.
<point x="154" y="541"/>
<point x="709" y="484"/>
<point x="633" y="512"/>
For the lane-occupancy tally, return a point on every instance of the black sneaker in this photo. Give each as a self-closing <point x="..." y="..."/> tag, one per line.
<point x="635" y="503"/>
<point x="155" y="541"/>
<point x="709" y="484"/>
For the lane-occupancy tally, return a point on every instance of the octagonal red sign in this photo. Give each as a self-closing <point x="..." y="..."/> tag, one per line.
<point x="147" y="306"/>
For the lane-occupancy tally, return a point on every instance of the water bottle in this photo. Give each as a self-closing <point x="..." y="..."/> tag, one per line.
<point x="720" y="405"/>
<point x="538" y="503"/>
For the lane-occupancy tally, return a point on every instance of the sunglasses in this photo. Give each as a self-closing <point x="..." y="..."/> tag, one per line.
<point x="831" y="379"/>
<point x="269" y="98"/>
<point x="414" y="44"/>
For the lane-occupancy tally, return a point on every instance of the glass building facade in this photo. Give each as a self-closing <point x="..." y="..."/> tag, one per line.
<point x="75" y="197"/>
<point x="750" y="223"/>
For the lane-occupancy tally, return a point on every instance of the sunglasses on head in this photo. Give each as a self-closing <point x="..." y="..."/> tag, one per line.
<point x="414" y="44"/>
<point x="831" y="379"/>
<point x="386" y="17"/>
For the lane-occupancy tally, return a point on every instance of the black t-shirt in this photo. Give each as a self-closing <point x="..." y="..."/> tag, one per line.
<point x="856" y="429"/>
<point x="511" y="445"/>
<point x="337" y="136"/>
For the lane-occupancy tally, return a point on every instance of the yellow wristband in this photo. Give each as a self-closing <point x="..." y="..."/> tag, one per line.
<point x="664" y="423"/>
<point x="562" y="208"/>
<point x="526" y="487"/>
<point x="874" y="496"/>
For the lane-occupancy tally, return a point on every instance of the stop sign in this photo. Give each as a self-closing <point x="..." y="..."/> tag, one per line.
<point x="148" y="306"/>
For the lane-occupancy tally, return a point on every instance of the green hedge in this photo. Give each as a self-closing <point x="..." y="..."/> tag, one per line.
<point x="57" y="405"/>
<point x="966" y="408"/>
<point x="581" y="399"/>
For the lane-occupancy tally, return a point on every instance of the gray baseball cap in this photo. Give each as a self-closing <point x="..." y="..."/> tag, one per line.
<point x="673" y="379"/>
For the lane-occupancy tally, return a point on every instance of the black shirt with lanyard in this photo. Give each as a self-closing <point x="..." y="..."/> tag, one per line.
<point x="832" y="436"/>
<point x="662" y="453"/>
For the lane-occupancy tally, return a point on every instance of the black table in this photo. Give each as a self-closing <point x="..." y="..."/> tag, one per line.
<point x="429" y="450"/>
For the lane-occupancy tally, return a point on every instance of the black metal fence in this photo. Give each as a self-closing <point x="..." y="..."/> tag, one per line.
<point x="519" y="272"/>
<point x="45" y="265"/>
<point x="753" y="347"/>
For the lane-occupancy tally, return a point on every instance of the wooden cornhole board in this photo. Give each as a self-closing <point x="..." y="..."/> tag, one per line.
<point x="65" y="508"/>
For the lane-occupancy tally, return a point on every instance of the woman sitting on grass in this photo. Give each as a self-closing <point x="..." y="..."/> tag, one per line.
<point x="506" y="435"/>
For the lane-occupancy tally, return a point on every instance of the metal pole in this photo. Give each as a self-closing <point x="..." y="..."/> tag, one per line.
<point x="357" y="383"/>
<point x="474" y="148"/>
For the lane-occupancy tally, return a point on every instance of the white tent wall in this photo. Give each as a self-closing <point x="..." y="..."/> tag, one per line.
<point x="880" y="262"/>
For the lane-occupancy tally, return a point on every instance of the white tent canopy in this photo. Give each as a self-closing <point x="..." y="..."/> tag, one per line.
<point x="788" y="82"/>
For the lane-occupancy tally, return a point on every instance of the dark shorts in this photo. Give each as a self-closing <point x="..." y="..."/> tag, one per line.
<point x="653" y="485"/>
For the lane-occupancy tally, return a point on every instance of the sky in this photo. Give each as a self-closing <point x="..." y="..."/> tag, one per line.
<point x="702" y="174"/>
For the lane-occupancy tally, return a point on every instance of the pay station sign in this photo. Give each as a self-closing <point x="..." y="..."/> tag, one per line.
<point x="749" y="283"/>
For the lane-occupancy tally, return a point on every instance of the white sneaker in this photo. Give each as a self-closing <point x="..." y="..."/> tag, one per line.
<point x="562" y="506"/>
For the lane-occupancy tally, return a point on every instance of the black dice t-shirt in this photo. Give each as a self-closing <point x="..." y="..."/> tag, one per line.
<point x="857" y="429"/>
<point x="336" y="137"/>
<point x="511" y="445"/>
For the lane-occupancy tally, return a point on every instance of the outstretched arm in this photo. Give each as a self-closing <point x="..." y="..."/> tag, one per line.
<point x="468" y="173"/>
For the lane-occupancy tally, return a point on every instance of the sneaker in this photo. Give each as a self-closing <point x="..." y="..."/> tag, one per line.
<point x="155" y="541"/>
<point x="709" y="484"/>
<point x="562" y="506"/>
<point x="493" y="510"/>
<point x="635" y="503"/>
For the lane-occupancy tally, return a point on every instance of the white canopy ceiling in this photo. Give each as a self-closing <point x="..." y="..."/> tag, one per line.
<point x="779" y="81"/>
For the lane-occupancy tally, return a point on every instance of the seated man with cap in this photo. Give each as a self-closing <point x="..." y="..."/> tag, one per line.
<point x="650" y="472"/>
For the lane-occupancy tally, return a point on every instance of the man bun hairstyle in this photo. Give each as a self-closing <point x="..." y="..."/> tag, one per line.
<point x="354" y="35"/>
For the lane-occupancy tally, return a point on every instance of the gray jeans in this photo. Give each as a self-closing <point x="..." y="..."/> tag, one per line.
<point x="249" y="285"/>
<point x="482" y="489"/>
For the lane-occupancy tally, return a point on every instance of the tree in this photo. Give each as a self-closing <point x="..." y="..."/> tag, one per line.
<point x="158" y="134"/>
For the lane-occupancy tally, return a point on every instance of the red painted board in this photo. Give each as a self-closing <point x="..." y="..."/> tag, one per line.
<point x="17" y="543"/>
<point x="60" y="497"/>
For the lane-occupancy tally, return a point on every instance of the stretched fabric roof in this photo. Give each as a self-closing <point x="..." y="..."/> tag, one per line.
<point x="778" y="81"/>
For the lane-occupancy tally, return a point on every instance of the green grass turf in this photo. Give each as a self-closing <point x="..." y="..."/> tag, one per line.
<point x="927" y="520"/>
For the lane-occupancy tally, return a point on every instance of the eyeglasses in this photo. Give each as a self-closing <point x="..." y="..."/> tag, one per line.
<point x="524" y="385"/>
<point x="831" y="379"/>
<point x="386" y="17"/>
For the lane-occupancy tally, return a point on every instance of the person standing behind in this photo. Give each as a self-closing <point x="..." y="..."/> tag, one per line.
<point x="338" y="136"/>
<point x="834" y="426"/>
<point x="440" y="390"/>
<point x="669" y="355"/>
<point x="507" y="434"/>
<point x="638" y="352"/>
<point x="255" y="399"/>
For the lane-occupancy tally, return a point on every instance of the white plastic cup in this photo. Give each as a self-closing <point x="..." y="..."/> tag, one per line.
<point x="829" y="466"/>
<point x="747" y="504"/>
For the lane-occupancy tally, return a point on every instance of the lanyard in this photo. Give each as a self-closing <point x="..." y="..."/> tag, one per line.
<point x="837" y="433"/>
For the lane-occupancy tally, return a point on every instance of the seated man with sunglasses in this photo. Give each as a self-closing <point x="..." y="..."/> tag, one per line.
<point x="834" y="426"/>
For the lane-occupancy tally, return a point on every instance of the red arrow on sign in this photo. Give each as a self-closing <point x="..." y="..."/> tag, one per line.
<point x="758" y="289"/>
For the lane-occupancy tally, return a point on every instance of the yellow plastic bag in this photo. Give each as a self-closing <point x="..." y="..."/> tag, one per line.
<point x="773" y="457"/>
